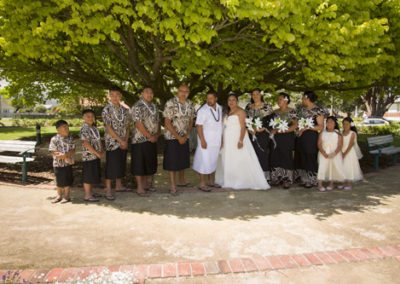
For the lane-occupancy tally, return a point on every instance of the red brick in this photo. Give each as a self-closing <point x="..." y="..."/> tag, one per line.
<point x="85" y="272"/>
<point x="38" y="276"/>
<point x="249" y="265"/>
<point x="155" y="270"/>
<point x="337" y="257"/>
<point x="275" y="262"/>
<point x="53" y="274"/>
<point x="197" y="268"/>
<point x="141" y="271"/>
<point x="169" y="270"/>
<point x="357" y="253"/>
<point x="348" y="256"/>
<point x="288" y="262"/>
<point x="211" y="267"/>
<point x="25" y="275"/>
<point x="113" y="268"/>
<point x="236" y="265"/>
<point x="324" y="258"/>
<point x="376" y="252"/>
<point x="313" y="259"/>
<point x="69" y="274"/>
<point x="184" y="269"/>
<point x="368" y="253"/>
<point x="262" y="263"/>
<point x="389" y="250"/>
<point x="301" y="260"/>
<point x="224" y="266"/>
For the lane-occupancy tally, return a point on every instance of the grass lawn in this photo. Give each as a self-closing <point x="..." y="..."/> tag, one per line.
<point x="16" y="133"/>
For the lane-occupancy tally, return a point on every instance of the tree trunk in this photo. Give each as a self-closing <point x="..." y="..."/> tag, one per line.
<point x="378" y="99"/>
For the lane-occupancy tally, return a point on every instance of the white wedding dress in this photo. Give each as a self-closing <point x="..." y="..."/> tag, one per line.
<point x="238" y="168"/>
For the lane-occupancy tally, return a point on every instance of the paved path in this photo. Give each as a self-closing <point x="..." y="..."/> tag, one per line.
<point x="205" y="237"/>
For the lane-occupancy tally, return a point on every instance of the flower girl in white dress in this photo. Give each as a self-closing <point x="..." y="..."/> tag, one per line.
<point x="351" y="154"/>
<point x="330" y="168"/>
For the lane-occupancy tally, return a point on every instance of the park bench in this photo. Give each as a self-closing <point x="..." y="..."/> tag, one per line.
<point x="382" y="145"/>
<point x="25" y="149"/>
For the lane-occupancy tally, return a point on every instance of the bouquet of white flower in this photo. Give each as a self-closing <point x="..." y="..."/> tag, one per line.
<point x="306" y="123"/>
<point x="253" y="124"/>
<point x="279" y="124"/>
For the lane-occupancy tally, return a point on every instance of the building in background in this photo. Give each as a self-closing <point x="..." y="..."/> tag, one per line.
<point x="393" y="113"/>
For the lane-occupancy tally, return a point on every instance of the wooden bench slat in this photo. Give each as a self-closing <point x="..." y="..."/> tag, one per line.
<point x="14" y="160"/>
<point x="17" y="146"/>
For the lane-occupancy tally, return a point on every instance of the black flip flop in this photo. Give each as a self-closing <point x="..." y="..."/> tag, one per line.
<point x="142" y="194"/>
<point x="204" y="188"/>
<point x="109" y="197"/>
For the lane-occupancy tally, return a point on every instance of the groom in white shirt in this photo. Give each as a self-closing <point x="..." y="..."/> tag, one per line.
<point x="209" y="136"/>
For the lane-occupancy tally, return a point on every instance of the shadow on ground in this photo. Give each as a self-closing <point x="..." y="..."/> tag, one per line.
<point x="246" y="205"/>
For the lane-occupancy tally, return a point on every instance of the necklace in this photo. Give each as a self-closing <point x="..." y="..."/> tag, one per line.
<point x="180" y="109"/>
<point x="95" y="133"/>
<point x="115" y="115"/>
<point x="152" y="112"/>
<point x="218" y="114"/>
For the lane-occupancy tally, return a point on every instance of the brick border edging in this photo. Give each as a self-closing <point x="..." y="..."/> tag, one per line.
<point x="186" y="269"/>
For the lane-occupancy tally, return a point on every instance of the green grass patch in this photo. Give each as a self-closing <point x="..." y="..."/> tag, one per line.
<point x="23" y="133"/>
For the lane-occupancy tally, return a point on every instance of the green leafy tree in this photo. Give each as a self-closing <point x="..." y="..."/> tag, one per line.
<point x="81" y="47"/>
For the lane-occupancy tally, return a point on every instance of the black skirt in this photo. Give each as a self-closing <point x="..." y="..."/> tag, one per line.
<point x="144" y="159"/>
<point x="261" y="147"/>
<point x="64" y="176"/>
<point x="115" y="164"/>
<point x="91" y="171"/>
<point x="176" y="156"/>
<point x="306" y="155"/>
<point x="282" y="154"/>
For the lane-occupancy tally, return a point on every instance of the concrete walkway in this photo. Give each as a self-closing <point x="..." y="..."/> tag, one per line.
<point x="198" y="227"/>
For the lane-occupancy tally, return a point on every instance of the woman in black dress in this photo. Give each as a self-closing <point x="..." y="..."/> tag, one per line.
<point x="282" y="162"/>
<point x="306" y="154"/>
<point x="258" y="108"/>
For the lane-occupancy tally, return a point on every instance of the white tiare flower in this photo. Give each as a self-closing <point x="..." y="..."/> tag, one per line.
<point x="283" y="126"/>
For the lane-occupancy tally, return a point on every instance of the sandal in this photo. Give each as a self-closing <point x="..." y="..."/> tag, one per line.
<point x="174" y="193"/>
<point x="347" y="188"/>
<point x="109" y="197"/>
<point x="329" y="188"/>
<point x="97" y="195"/>
<point x="286" y="185"/>
<point x="151" y="189"/>
<point x="91" y="199"/>
<point x="215" y="185"/>
<point x="307" y="185"/>
<point x="57" y="200"/>
<point x="184" y="185"/>
<point x="142" y="194"/>
<point x="204" y="188"/>
<point x="322" y="189"/>
<point x="340" y="187"/>
<point x="122" y="189"/>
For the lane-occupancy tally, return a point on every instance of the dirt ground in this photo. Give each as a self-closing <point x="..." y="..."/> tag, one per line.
<point x="197" y="226"/>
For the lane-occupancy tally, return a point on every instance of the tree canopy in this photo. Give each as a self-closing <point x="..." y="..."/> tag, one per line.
<point x="81" y="47"/>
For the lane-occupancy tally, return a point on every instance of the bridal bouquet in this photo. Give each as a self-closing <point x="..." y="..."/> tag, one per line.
<point x="279" y="124"/>
<point x="253" y="124"/>
<point x="305" y="123"/>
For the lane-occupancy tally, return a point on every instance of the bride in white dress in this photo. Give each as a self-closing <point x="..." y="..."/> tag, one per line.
<point x="238" y="166"/>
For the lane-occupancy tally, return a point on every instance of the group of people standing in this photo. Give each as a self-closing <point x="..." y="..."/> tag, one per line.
<point x="229" y="153"/>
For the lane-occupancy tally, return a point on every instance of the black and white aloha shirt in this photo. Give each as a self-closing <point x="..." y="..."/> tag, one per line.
<point x="118" y="118"/>
<point x="92" y="135"/>
<point x="147" y="114"/>
<point x="181" y="116"/>
<point x="62" y="145"/>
